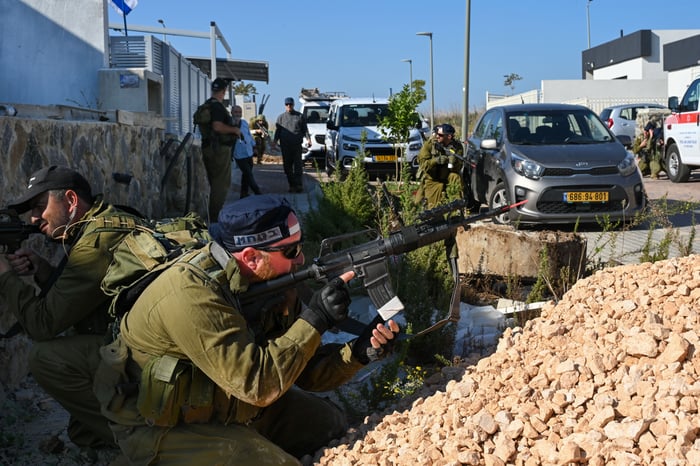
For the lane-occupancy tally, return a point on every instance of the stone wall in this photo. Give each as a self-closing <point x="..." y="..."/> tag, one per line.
<point x="140" y="155"/>
<point x="98" y="150"/>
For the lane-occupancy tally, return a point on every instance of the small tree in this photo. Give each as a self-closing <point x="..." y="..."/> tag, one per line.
<point x="419" y="89"/>
<point x="402" y="116"/>
<point x="510" y="80"/>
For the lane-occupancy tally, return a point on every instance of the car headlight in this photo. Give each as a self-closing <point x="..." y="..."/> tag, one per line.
<point x="415" y="146"/>
<point x="526" y="167"/>
<point x="415" y="137"/>
<point x="350" y="147"/>
<point x="628" y="165"/>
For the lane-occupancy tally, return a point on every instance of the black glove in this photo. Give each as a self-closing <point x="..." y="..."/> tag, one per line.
<point x="363" y="350"/>
<point x="328" y="306"/>
<point x="442" y="160"/>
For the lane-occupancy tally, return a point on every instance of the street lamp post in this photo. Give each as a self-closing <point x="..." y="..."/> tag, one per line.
<point x="163" y="23"/>
<point x="410" y="71"/>
<point x="432" y="81"/>
<point x="465" y="90"/>
<point x="588" y="21"/>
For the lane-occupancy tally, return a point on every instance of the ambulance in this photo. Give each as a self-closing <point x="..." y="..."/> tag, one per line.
<point x="682" y="135"/>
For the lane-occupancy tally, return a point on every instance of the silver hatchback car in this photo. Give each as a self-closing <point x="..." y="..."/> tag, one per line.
<point x="561" y="158"/>
<point x="622" y="119"/>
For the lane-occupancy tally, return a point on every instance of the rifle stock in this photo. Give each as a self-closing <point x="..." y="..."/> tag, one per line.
<point x="13" y="231"/>
<point x="368" y="260"/>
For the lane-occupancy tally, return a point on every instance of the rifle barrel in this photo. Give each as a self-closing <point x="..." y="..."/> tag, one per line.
<point x="401" y="241"/>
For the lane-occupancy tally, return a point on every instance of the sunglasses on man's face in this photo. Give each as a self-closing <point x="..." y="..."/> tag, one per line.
<point x="289" y="251"/>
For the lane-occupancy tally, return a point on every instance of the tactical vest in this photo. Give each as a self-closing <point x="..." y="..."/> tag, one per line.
<point x="172" y="390"/>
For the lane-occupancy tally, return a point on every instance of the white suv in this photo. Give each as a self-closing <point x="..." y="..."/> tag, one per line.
<point x="353" y="126"/>
<point x="315" y="106"/>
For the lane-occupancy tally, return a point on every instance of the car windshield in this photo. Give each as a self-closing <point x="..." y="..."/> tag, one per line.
<point x="363" y="114"/>
<point x="576" y="126"/>
<point x="316" y="114"/>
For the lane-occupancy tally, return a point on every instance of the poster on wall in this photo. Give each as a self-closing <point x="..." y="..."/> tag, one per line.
<point x="128" y="81"/>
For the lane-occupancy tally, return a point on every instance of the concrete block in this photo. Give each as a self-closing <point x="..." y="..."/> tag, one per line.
<point x="500" y="250"/>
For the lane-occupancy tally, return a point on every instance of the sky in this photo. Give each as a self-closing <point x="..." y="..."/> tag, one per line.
<point x="357" y="46"/>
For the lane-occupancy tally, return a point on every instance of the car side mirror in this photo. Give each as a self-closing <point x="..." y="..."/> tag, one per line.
<point x="673" y="103"/>
<point x="489" y="144"/>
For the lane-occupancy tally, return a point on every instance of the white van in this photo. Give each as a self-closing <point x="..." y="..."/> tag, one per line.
<point x="348" y="119"/>
<point x="315" y="106"/>
<point x="682" y="134"/>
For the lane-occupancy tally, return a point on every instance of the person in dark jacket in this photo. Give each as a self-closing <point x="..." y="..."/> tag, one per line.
<point x="290" y="131"/>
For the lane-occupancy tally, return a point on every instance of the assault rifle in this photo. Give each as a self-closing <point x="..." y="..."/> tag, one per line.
<point x="369" y="260"/>
<point x="13" y="231"/>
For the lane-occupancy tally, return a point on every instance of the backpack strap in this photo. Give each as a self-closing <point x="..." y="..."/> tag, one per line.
<point x="116" y="223"/>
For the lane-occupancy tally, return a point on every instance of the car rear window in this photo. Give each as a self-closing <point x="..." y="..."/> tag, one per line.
<point x="605" y="114"/>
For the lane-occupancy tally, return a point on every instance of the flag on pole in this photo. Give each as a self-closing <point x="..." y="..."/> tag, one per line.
<point x="123" y="7"/>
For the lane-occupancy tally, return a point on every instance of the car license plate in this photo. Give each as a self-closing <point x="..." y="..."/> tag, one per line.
<point x="385" y="158"/>
<point x="586" y="196"/>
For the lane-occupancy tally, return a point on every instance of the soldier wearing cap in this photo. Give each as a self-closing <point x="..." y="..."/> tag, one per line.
<point x="218" y="137"/>
<point x="290" y="131"/>
<point x="68" y="318"/>
<point x="217" y="383"/>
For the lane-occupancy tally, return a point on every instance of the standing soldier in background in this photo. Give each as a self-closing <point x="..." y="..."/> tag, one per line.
<point x="258" y="127"/>
<point x="290" y="131"/>
<point x="218" y="138"/>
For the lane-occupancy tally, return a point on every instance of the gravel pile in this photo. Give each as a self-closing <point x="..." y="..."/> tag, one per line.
<point x="607" y="376"/>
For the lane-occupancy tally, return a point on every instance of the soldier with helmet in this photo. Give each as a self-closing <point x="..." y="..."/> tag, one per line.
<point x="440" y="164"/>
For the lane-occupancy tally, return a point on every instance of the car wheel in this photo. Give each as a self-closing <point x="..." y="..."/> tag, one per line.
<point x="677" y="171"/>
<point x="499" y="198"/>
<point x="329" y="165"/>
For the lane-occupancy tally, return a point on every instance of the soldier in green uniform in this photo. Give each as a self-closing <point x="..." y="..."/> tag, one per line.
<point x="259" y="129"/>
<point x="68" y="318"/>
<point x="218" y="383"/>
<point x="650" y="150"/>
<point x="218" y="137"/>
<point x="439" y="166"/>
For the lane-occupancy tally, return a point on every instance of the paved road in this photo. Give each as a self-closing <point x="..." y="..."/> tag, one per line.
<point x="625" y="247"/>
<point x="621" y="247"/>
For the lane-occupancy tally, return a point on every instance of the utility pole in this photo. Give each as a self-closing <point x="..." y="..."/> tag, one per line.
<point x="465" y="90"/>
<point x="410" y="71"/>
<point x="588" y="21"/>
<point x="432" y="81"/>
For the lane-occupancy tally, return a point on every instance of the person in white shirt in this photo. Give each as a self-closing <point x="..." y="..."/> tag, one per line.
<point x="243" y="153"/>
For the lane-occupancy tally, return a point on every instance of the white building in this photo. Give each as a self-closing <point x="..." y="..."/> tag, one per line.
<point x="60" y="53"/>
<point x="645" y="66"/>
